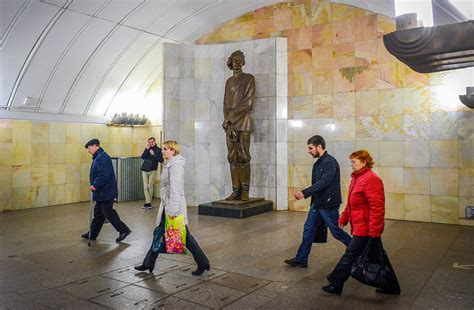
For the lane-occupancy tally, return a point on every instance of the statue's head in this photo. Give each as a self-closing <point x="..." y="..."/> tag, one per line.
<point x="236" y="60"/>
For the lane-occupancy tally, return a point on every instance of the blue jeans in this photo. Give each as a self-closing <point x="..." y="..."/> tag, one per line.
<point x="315" y="216"/>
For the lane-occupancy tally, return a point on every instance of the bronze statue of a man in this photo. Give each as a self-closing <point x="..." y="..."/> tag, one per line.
<point x="239" y="98"/>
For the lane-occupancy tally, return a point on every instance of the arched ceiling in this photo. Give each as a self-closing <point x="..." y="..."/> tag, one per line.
<point x="80" y="57"/>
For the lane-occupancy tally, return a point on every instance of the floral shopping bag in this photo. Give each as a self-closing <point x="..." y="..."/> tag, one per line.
<point x="175" y="235"/>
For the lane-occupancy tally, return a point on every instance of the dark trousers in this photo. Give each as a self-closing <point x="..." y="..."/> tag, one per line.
<point x="105" y="210"/>
<point x="191" y="244"/>
<point x="342" y="271"/>
<point x="315" y="216"/>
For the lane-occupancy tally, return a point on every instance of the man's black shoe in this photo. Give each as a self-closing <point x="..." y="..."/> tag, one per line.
<point x="123" y="235"/>
<point x="332" y="289"/>
<point x="86" y="236"/>
<point x="387" y="292"/>
<point x="294" y="263"/>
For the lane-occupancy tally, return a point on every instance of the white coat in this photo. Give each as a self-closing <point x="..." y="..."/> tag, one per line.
<point x="172" y="189"/>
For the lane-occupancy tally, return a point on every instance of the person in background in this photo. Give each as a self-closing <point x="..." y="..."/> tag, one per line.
<point x="103" y="186"/>
<point x="173" y="203"/>
<point x="365" y="211"/>
<point x="325" y="193"/>
<point x="151" y="156"/>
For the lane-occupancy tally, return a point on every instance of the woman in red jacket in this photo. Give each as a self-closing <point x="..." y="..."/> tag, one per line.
<point x="365" y="211"/>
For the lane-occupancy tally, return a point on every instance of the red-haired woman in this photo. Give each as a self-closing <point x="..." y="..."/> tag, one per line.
<point x="365" y="211"/>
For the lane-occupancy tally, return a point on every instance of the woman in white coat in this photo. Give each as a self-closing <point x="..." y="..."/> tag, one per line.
<point x="173" y="203"/>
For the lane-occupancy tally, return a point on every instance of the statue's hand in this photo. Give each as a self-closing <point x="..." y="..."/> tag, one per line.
<point x="232" y="134"/>
<point x="226" y="124"/>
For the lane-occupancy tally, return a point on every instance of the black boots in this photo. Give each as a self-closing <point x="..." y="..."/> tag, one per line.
<point x="143" y="268"/>
<point x="123" y="235"/>
<point x="332" y="289"/>
<point x="294" y="263"/>
<point x="86" y="236"/>
<point x="200" y="270"/>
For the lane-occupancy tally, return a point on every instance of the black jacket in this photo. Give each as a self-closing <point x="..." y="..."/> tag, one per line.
<point x="102" y="176"/>
<point x="155" y="159"/>
<point x="325" y="191"/>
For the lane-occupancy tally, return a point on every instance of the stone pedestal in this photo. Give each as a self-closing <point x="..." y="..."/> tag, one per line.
<point x="236" y="208"/>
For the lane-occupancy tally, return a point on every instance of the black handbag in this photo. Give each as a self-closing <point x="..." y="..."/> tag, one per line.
<point x="373" y="268"/>
<point x="146" y="165"/>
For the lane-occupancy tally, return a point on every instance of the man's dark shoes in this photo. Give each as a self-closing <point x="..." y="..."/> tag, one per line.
<point x="147" y="206"/>
<point x="200" y="270"/>
<point x="332" y="289"/>
<point x="387" y="292"/>
<point x="143" y="268"/>
<point x="86" y="236"/>
<point x="294" y="263"/>
<point x="123" y="235"/>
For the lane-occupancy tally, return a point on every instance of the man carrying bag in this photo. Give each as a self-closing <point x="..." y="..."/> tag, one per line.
<point x="151" y="157"/>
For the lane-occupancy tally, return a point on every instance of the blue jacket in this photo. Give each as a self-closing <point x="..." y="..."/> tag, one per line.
<point x="102" y="176"/>
<point x="325" y="191"/>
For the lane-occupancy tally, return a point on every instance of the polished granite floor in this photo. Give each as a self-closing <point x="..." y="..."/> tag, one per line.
<point x="44" y="264"/>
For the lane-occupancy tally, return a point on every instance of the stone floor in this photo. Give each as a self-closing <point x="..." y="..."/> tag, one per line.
<point x="44" y="264"/>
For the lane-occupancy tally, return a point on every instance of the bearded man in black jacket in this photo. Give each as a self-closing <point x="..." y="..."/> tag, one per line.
<point x="151" y="157"/>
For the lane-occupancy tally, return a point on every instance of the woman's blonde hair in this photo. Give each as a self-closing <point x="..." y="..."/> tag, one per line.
<point x="363" y="156"/>
<point x="172" y="145"/>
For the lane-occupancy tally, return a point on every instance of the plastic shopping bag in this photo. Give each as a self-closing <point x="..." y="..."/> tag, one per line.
<point x="175" y="235"/>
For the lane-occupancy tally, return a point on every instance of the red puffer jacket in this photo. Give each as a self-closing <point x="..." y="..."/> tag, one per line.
<point x="365" y="207"/>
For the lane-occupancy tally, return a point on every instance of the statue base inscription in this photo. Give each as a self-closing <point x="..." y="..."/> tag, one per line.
<point x="236" y="208"/>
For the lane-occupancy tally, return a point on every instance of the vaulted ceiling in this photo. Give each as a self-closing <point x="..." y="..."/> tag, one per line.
<point x="79" y="57"/>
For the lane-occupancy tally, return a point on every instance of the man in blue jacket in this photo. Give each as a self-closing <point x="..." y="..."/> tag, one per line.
<point x="325" y="193"/>
<point x="104" y="191"/>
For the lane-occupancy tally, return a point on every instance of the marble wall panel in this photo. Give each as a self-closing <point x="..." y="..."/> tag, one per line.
<point x="466" y="153"/>
<point x="415" y="181"/>
<point x="57" y="133"/>
<point x="57" y="153"/>
<point x="39" y="196"/>
<point x="466" y="182"/>
<point x="6" y="133"/>
<point x="366" y="53"/>
<point x="342" y="150"/>
<point x="21" y="132"/>
<point x="366" y="103"/>
<point x="39" y="132"/>
<point x="466" y="125"/>
<point x="57" y="194"/>
<point x="395" y="206"/>
<point x="6" y="153"/>
<point x="443" y="126"/>
<point x="323" y="106"/>
<point x="444" y="181"/>
<point x="416" y="100"/>
<point x="416" y="154"/>
<point x="344" y="104"/>
<point x="444" y="209"/>
<point x="391" y="153"/>
<point x="73" y="134"/>
<point x="416" y="126"/>
<point x="21" y="176"/>
<point x="73" y="193"/>
<point x="21" y="198"/>
<point x="391" y="101"/>
<point x="323" y="81"/>
<point x="300" y="107"/>
<point x="443" y="152"/>
<point x="367" y="128"/>
<point x="393" y="179"/>
<point x="5" y="176"/>
<point x="344" y="129"/>
<point x="21" y="154"/>
<point x="391" y="127"/>
<point x="418" y="208"/>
